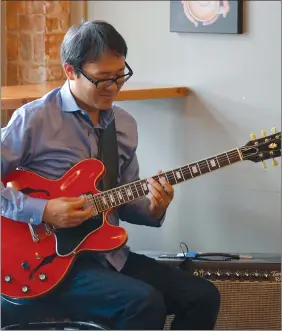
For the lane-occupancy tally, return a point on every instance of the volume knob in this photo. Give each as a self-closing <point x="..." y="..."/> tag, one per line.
<point x="8" y="279"/>
<point x="42" y="276"/>
<point x="25" y="289"/>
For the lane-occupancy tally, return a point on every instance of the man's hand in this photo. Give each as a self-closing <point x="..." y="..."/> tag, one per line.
<point x="67" y="212"/>
<point x="160" y="196"/>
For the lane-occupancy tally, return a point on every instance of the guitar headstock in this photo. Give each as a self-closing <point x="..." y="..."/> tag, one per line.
<point x="261" y="149"/>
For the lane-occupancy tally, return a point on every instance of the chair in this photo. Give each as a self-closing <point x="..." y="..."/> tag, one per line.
<point x="22" y="323"/>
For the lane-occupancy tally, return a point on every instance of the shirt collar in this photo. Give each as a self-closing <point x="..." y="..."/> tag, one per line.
<point x="68" y="102"/>
<point x="69" y="105"/>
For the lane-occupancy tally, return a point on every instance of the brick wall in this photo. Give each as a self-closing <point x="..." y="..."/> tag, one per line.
<point x="34" y="32"/>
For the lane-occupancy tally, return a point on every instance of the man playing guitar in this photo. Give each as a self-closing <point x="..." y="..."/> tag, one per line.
<point x="120" y="289"/>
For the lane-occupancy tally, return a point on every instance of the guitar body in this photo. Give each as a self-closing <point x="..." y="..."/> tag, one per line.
<point x="33" y="268"/>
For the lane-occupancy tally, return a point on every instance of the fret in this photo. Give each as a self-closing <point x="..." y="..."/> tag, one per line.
<point x="134" y="191"/>
<point x="180" y="169"/>
<point x="178" y="175"/>
<point x="144" y="186"/>
<point x="172" y="171"/>
<point x="108" y="199"/>
<point x="194" y="167"/>
<point x="165" y="175"/>
<point x="129" y="192"/>
<point x="208" y="165"/>
<point x="234" y="156"/>
<point x="97" y="202"/>
<point x="204" y="166"/>
<point x="116" y="200"/>
<point x="139" y="188"/>
<point x="120" y="197"/>
<point x="123" y="192"/>
<point x="171" y="177"/>
<point x="213" y="164"/>
<point x="112" y="198"/>
<point x="103" y="202"/>
<point x="222" y="160"/>
<point x="187" y="172"/>
<point x="228" y="158"/>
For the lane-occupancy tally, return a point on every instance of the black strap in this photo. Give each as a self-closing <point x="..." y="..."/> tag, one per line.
<point x="108" y="154"/>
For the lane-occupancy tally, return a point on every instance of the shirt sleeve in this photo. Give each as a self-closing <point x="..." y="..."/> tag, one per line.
<point x="16" y="149"/>
<point x="136" y="211"/>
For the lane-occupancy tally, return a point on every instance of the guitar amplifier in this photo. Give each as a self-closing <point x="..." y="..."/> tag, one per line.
<point x="250" y="290"/>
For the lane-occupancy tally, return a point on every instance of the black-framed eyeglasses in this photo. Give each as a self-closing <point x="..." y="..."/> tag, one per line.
<point x="104" y="83"/>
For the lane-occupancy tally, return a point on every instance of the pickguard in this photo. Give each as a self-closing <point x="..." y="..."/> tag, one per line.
<point x="68" y="239"/>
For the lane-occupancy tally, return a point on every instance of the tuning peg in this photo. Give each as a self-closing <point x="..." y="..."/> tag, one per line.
<point x="274" y="163"/>
<point x="274" y="130"/>
<point x="264" y="164"/>
<point x="253" y="136"/>
<point x="263" y="133"/>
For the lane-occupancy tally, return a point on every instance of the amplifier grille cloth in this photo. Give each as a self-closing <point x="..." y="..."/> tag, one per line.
<point x="247" y="305"/>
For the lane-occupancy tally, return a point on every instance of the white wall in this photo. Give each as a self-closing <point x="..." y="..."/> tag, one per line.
<point x="236" y="84"/>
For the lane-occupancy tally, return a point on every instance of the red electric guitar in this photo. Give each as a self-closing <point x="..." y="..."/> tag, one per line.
<point x="35" y="259"/>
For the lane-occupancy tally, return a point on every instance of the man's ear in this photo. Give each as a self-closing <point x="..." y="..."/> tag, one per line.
<point x="69" y="71"/>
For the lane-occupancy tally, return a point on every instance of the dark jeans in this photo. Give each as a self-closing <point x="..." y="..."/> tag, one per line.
<point x="138" y="297"/>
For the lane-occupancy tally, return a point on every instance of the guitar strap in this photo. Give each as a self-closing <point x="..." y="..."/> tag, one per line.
<point x="108" y="154"/>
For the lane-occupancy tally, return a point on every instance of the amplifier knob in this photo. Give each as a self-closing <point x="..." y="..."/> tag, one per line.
<point x="25" y="265"/>
<point x="228" y="274"/>
<point x="208" y="275"/>
<point x="246" y="275"/>
<point x="266" y="275"/>
<point x="237" y="275"/>
<point x="218" y="274"/>
<point x="42" y="277"/>
<point x="25" y="289"/>
<point x="256" y="275"/>
<point x="8" y="279"/>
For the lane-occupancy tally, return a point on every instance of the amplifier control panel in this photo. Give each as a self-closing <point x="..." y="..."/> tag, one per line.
<point x="240" y="275"/>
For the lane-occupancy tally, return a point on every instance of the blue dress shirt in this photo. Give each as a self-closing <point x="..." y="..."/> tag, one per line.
<point x="49" y="136"/>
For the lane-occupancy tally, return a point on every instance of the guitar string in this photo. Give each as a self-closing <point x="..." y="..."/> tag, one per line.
<point x="185" y="170"/>
<point x="139" y="182"/>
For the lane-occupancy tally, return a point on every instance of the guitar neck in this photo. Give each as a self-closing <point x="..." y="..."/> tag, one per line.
<point x="135" y="190"/>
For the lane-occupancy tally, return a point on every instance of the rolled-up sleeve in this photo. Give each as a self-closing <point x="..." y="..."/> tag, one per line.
<point x="16" y="148"/>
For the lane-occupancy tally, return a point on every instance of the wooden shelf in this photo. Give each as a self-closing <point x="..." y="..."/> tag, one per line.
<point x="13" y="97"/>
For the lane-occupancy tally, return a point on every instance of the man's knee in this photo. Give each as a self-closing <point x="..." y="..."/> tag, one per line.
<point x="210" y="296"/>
<point x="150" y="307"/>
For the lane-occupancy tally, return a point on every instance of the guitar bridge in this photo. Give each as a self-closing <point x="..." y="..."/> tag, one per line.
<point x="34" y="235"/>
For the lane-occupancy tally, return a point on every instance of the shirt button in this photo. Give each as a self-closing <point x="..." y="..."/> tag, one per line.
<point x="31" y="220"/>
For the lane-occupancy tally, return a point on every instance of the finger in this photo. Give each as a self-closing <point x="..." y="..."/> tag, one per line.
<point x="167" y="187"/>
<point x="78" y="203"/>
<point x="153" y="200"/>
<point x="156" y="194"/>
<point x="155" y="184"/>
<point x="73" y="199"/>
<point x="82" y="214"/>
<point x="159" y="188"/>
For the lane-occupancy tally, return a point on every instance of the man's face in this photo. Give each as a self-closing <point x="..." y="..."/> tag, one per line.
<point x="109" y="66"/>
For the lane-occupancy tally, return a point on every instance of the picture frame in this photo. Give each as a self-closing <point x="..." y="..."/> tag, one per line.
<point x="220" y="17"/>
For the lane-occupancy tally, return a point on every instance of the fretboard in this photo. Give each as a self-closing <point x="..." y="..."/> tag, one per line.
<point x="135" y="190"/>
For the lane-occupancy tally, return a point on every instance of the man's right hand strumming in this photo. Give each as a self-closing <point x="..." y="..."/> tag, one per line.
<point x="67" y="212"/>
